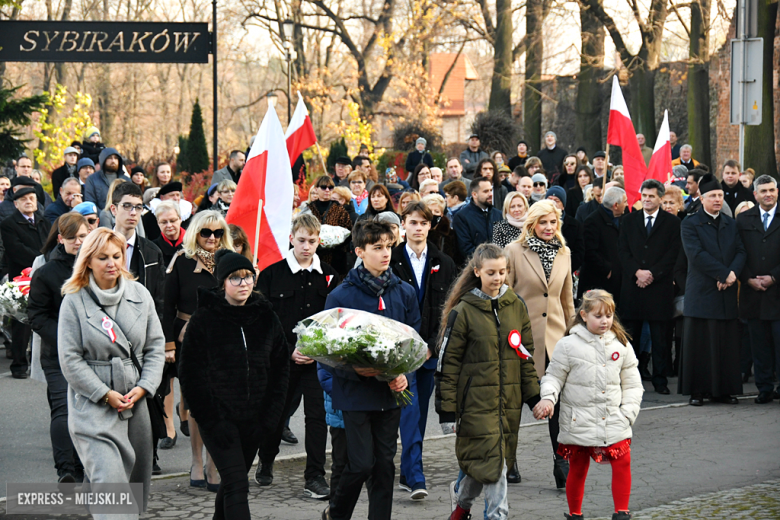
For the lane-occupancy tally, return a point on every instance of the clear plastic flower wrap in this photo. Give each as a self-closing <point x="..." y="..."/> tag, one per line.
<point x="13" y="297"/>
<point x="332" y="236"/>
<point x="348" y="338"/>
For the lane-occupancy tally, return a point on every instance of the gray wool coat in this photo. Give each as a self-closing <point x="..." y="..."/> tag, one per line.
<point x="113" y="447"/>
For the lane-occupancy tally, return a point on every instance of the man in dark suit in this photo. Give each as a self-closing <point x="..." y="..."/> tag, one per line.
<point x="24" y="233"/>
<point x="601" y="267"/>
<point x="571" y="229"/>
<point x="759" y="297"/>
<point x="649" y="243"/>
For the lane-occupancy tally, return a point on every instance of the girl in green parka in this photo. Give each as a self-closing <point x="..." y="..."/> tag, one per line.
<point x="484" y="375"/>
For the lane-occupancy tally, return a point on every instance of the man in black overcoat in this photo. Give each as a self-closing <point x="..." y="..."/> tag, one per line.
<point x="759" y="297"/>
<point x="24" y="233"/>
<point x="601" y="267"/>
<point x="649" y="244"/>
<point x="716" y="257"/>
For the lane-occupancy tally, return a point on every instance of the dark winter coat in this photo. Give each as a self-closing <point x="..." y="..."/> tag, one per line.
<point x="96" y="186"/>
<point x="735" y="195"/>
<point x="234" y="362"/>
<point x="444" y="238"/>
<point x="482" y="383"/>
<point x="657" y="253"/>
<point x="182" y="281"/>
<point x="601" y="255"/>
<point x="552" y="160"/>
<point x="574" y="199"/>
<point x="763" y="258"/>
<point x="59" y="175"/>
<point x="7" y="207"/>
<point x="474" y="226"/>
<point x="296" y="296"/>
<point x="352" y="392"/>
<point x="439" y="274"/>
<point x="587" y="209"/>
<point x="55" y="210"/>
<point x="23" y="241"/>
<point x="416" y="157"/>
<point x="43" y="306"/>
<point x="167" y="249"/>
<point x="469" y="161"/>
<point x="90" y="150"/>
<point x="714" y="249"/>
<point x="516" y="161"/>
<point x="574" y="234"/>
<point x="148" y="265"/>
<point x="334" y="215"/>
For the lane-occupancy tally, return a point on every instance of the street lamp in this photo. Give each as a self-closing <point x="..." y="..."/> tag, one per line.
<point x="287" y="31"/>
<point x="271" y="97"/>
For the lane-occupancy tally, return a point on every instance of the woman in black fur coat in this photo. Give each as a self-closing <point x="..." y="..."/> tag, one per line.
<point x="234" y="370"/>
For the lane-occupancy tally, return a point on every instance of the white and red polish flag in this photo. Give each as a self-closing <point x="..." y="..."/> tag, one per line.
<point x="300" y="132"/>
<point x="621" y="133"/>
<point x="660" y="167"/>
<point x="266" y="176"/>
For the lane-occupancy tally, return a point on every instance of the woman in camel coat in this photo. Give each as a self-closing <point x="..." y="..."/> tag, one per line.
<point x="540" y="273"/>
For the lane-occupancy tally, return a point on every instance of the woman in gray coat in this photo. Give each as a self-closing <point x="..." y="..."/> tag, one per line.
<point x="112" y="435"/>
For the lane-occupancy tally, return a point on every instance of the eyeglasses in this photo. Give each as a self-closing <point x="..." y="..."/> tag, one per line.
<point x="206" y="233"/>
<point x="237" y="281"/>
<point x="326" y="187"/>
<point x="356" y="182"/>
<point x="538" y="184"/>
<point x="92" y="221"/>
<point x="225" y="192"/>
<point x="570" y="164"/>
<point x="130" y="207"/>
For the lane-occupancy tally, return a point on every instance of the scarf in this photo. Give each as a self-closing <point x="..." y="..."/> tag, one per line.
<point x="206" y="258"/>
<point x="516" y="222"/>
<point x="222" y="206"/>
<point x="547" y="252"/>
<point x="536" y="197"/>
<point x="179" y="241"/>
<point x="476" y="291"/>
<point x="360" y="198"/>
<point x="108" y="299"/>
<point x="377" y="285"/>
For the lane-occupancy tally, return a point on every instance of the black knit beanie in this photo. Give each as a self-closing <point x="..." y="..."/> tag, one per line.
<point x="228" y="262"/>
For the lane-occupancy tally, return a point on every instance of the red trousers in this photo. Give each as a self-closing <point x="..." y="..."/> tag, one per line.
<point x="578" y="472"/>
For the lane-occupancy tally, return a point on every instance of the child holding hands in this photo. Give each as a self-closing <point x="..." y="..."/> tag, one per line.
<point x="594" y="373"/>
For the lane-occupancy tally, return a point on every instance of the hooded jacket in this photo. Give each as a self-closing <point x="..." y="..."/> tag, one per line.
<point x="96" y="187"/>
<point x="351" y="391"/>
<point x="235" y="362"/>
<point x="482" y="383"/>
<point x="45" y="298"/>
<point x="597" y="380"/>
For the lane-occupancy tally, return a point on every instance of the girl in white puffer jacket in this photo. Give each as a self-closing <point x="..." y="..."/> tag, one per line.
<point x="594" y="373"/>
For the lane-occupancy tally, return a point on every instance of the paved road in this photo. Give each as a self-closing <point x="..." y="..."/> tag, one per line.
<point x="717" y="462"/>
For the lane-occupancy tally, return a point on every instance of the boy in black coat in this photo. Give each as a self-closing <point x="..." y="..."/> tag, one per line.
<point x="298" y="286"/>
<point x="431" y="272"/>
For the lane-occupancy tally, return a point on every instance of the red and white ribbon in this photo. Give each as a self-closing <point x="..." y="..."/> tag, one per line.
<point x="515" y="343"/>
<point x="435" y="269"/>
<point x="382" y="304"/>
<point x="108" y="326"/>
<point x="328" y="279"/>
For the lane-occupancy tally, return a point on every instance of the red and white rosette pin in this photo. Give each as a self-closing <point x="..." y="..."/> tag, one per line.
<point x="108" y="326"/>
<point x="328" y="279"/>
<point x="615" y="356"/>
<point x="515" y="343"/>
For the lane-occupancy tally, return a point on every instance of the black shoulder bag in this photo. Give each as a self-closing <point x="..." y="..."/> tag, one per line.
<point x="153" y="401"/>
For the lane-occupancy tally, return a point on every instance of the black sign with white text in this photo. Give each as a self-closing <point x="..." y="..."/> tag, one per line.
<point x="118" y="42"/>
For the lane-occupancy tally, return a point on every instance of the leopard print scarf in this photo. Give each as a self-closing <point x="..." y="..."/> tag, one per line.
<point x="547" y="252"/>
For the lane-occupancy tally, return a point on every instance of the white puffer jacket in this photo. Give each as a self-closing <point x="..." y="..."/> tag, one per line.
<point x="598" y="382"/>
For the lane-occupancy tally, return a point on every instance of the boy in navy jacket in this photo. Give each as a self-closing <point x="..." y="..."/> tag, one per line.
<point x="371" y="415"/>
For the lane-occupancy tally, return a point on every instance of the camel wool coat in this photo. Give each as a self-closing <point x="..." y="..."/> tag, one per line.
<point x="550" y="304"/>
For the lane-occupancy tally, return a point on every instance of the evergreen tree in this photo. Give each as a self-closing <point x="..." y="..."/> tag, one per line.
<point x="15" y="113"/>
<point x="182" y="164"/>
<point x="197" y="153"/>
<point x="338" y="149"/>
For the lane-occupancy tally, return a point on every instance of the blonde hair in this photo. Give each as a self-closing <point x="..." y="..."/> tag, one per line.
<point x="435" y="198"/>
<point x="426" y="183"/>
<point x="166" y="206"/>
<point x="512" y="195"/>
<point x="599" y="299"/>
<point x="306" y="221"/>
<point x="535" y="214"/>
<point x="744" y="204"/>
<point x="95" y="242"/>
<point x="357" y="174"/>
<point x="111" y="188"/>
<point x="676" y="193"/>
<point x="343" y="192"/>
<point x="226" y="184"/>
<point x="407" y="195"/>
<point x="199" y="221"/>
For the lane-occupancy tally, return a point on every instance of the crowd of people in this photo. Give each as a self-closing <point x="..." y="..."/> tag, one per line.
<point x="530" y="278"/>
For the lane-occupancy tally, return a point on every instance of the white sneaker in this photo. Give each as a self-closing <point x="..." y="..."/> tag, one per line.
<point x="419" y="494"/>
<point x="453" y="496"/>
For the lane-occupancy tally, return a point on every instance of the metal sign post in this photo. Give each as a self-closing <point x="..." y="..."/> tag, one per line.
<point x="747" y="73"/>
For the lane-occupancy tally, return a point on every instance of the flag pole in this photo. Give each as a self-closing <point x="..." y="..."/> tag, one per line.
<point x="257" y="228"/>
<point x="324" y="168"/>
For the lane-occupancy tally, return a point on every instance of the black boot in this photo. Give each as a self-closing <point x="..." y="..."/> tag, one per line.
<point x="623" y="515"/>
<point x="644" y="360"/>
<point x="573" y="517"/>
<point x="264" y="475"/>
<point x="560" y="471"/>
<point x="513" y="476"/>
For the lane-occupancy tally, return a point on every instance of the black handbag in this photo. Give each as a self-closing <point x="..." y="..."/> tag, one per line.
<point x="153" y="401"/>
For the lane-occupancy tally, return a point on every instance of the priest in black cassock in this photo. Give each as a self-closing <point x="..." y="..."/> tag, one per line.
<point x="710" y="359"/>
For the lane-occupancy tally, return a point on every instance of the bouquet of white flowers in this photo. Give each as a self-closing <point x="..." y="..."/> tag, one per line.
<point x="348" y="338"/>
<point x="13" y="297"/>
<point x="332" y="236"/>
